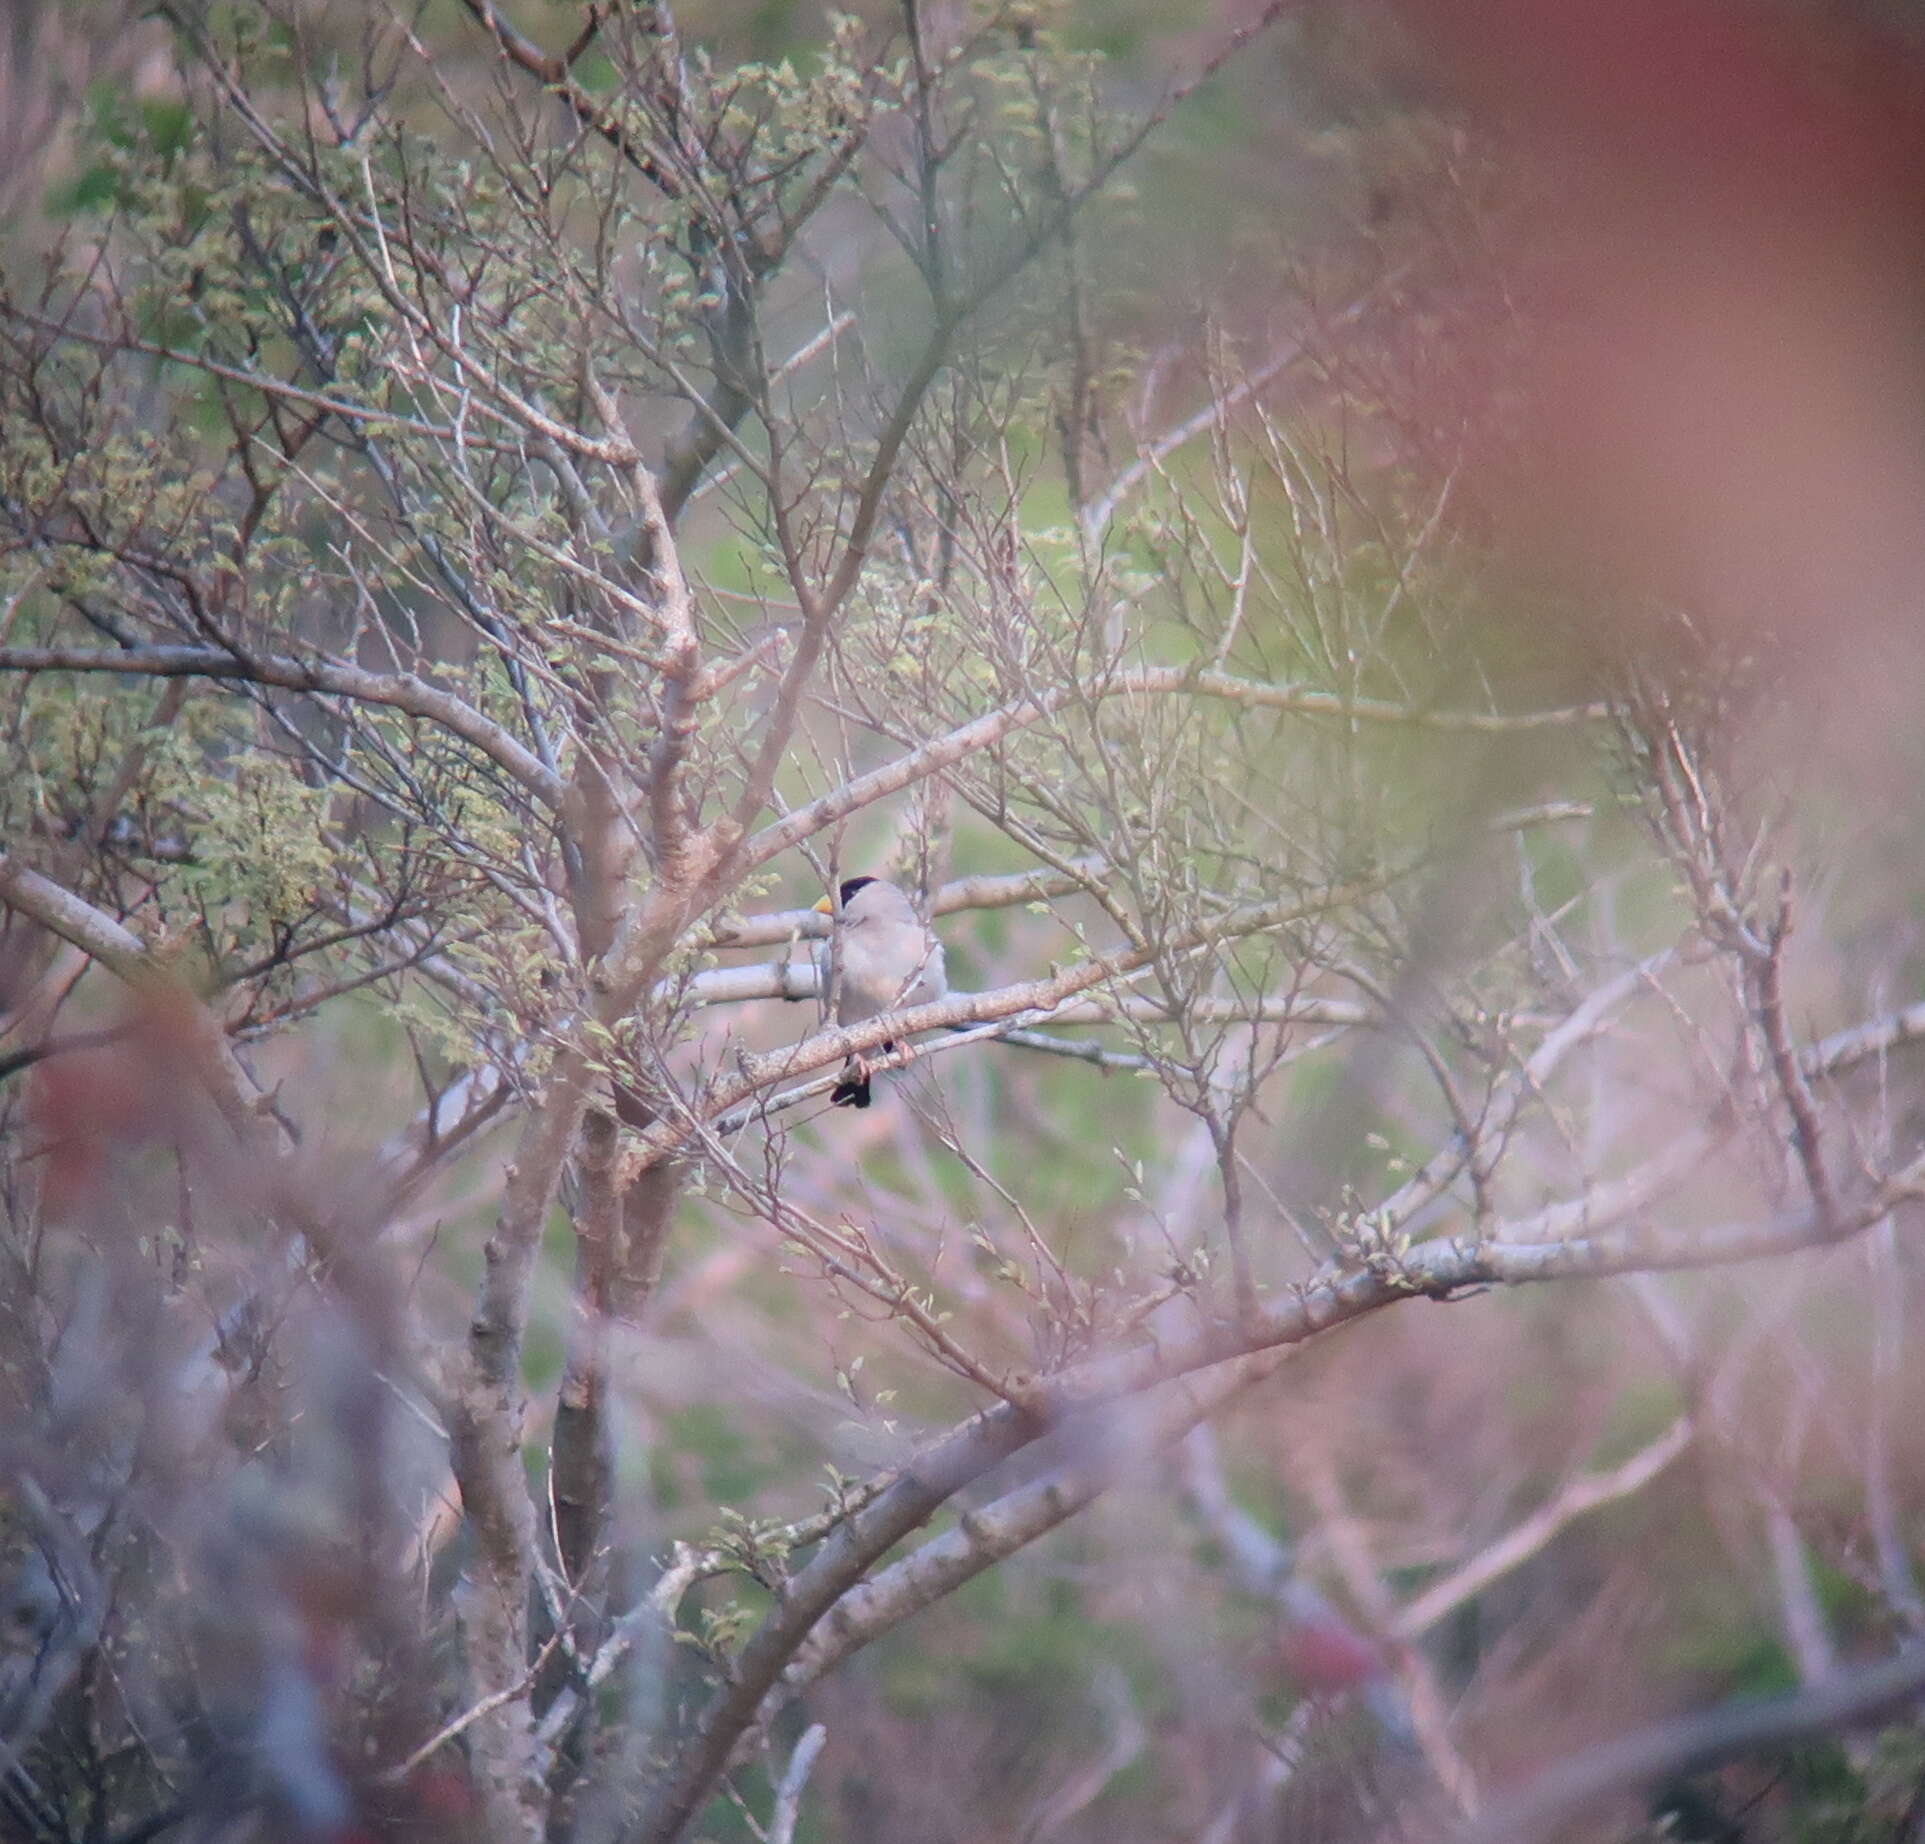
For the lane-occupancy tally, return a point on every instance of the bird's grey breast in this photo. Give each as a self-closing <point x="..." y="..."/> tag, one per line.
<point x="887" y="964"/>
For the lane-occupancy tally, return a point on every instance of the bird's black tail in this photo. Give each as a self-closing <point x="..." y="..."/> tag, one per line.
<point x="853" y="1090"/>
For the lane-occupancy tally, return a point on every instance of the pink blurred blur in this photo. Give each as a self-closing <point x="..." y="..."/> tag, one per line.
<point x="1724" y="401"/>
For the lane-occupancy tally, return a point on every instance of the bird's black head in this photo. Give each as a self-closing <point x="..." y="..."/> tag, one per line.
<point x="850" y="885"/>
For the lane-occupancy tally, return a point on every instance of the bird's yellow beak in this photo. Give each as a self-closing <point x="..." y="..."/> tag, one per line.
<point x="826" y="907"/>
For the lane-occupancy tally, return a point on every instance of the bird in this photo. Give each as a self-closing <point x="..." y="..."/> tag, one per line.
<point x="885" y="956"/>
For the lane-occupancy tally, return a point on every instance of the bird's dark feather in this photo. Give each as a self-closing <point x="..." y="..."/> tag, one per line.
<point x="850" y="1092"/>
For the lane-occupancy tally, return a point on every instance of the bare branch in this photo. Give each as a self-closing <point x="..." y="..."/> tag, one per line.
<point x="795" y="1778"/>
<point x="1526" y="1538"/>
<point x="96" y="934"/>
<point x="1104" y="1449"/>
<point x="983" y="732"/>
<point x="399" y="691"/>
<point x="1692" y="1744"/>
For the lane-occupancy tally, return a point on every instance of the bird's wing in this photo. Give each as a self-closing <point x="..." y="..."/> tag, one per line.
<point x="933" y="982"/>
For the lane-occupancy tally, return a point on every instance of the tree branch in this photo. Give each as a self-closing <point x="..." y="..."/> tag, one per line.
<point x="1524" y="1539"/>
<point x="1436" y="1270"/>
<point x="983" y="732"/>
<point x="1692" y="1744"/>
<point x="1108" y="1448"/>
<point x="399" y="691"/>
